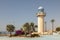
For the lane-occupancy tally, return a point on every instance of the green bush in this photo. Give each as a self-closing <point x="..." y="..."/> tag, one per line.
<point x="58" y="29"/>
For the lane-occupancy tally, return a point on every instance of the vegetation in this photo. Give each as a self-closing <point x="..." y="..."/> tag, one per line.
<point x="35" y="35"/>
<point x="29" y="28"/>
<point x="52" y="21"/>
<point x="10" y="28"/>
<point x="26" y="28"/>
<point x="33" y="26"/>
<point x="58" y="29"/>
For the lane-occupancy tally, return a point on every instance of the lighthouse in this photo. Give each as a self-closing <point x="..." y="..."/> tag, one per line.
<point x="40" y="15"/>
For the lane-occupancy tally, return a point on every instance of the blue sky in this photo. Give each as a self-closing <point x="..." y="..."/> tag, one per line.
<point x="18" y="12"/>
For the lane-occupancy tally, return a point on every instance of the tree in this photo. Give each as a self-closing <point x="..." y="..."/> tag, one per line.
<point x="45" y="26"/>
<point x="29" y="28"/>
<point x="52" y="21"/>
<point x="58" y="29"/>
<point x="10" y="28"/>
<point x="26" y="28"/>
<point x="32" y="25"/>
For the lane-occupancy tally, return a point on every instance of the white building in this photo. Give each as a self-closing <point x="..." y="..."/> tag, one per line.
<point x="41" y="14"/>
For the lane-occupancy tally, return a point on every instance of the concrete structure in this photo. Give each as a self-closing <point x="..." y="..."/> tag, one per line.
<point x="41" y="14"/>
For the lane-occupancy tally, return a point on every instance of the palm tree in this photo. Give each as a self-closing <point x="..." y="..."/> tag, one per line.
<point x="33" y="26"/>
<point x="26" y="28"/>
<point x="10" y="28"/>
<point x="52" y="21"/>
<point x="45" y="26"/>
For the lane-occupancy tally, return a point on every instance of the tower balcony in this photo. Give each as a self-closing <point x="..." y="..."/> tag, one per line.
<point x="41" y="14"/>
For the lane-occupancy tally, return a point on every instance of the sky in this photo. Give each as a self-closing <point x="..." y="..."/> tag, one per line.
<point x="18" y="12"/>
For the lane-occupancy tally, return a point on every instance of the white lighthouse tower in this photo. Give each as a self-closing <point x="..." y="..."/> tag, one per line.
<point x="41" y="14"/>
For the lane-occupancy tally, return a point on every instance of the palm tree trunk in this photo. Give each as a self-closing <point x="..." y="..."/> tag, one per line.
<point x="25" y="33"/>
<point x="52" y="27"/>
<point x="33" y="28"/>
<point x="10" y="34"/>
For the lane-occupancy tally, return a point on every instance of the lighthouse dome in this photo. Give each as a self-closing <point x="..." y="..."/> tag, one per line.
<point x="41" y="9"/>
